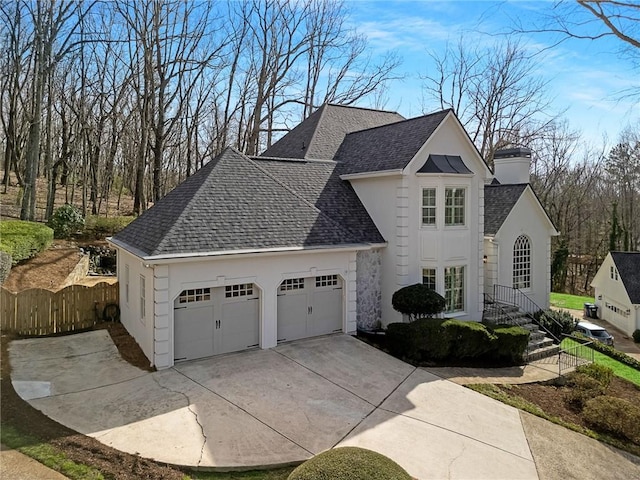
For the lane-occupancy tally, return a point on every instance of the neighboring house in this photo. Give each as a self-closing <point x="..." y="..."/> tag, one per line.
<point x="617" y="290"/>
<point x="315" y="235"/>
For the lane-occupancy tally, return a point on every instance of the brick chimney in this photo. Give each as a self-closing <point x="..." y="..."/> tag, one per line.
<point x="512" y="165"/>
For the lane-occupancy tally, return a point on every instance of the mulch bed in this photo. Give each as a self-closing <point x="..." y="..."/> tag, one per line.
<point x="81" y="449"/>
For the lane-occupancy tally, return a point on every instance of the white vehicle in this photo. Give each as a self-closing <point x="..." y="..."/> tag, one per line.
<point x="595" y="332"/>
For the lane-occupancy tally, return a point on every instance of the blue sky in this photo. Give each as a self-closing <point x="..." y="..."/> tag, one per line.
<point x="585" y="77"/>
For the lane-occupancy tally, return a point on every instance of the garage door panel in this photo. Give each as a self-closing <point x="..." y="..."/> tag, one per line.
<point x="193" y="332"/>
<point x="239" y="327"/>
<point x="292" y="316"/>
<point x="326" y="316"/>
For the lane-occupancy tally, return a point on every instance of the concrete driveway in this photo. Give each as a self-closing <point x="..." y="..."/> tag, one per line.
<point x="271" y="407"/>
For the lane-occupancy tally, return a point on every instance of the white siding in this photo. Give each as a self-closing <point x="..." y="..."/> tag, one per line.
<point x="611" y="291"/>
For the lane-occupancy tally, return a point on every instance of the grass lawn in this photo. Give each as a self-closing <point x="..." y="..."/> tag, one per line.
<point x="619" y="369"/>
<point x="573" y="302"/>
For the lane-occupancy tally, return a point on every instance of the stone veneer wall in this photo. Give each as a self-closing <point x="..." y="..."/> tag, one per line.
<point x="368" y="286"/>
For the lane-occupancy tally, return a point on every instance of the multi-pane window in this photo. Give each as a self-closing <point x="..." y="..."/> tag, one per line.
<point x="326" y="280"/>
<point x="454" y="206"/>
<point x="239" y="290"/>
<point x="614" y="273"/>
<point x="143" y="300"/>
<point x="429" y="277"/>
<point x="428" y="206"/>
<point x="454" y="288"/>
<point x="195" y="295"/>
<point x="292" y="284"/>
<point x="522" y="262"/>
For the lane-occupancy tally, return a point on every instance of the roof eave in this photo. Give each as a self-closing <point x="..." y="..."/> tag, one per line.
<point x="249" y="252"/>
<point x="377" y="173"/>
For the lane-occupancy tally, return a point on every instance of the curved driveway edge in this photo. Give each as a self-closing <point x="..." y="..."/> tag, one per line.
<point x="273" y="407"/>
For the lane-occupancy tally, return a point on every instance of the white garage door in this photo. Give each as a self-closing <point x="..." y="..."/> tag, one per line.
<point x="308" y="307"/>
<point x="211" y="321"/>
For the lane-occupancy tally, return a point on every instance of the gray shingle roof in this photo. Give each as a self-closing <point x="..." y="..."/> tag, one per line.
<point x="389" y="147"/>
<point x="628" y="265"/>
<point x="320" y="135"/>
<point x="233" y="203"/>
<point x="498" y="202"/>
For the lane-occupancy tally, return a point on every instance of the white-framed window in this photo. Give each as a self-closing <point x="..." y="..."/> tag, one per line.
<point x="428" y="206"/>
<point x="454" y="288"/>
<point x="614" y="272"/>
<point x="126" y="284"/>
<point x="429" y="277"/>
<point x="292" y="284"/>
<point x="239" y="290"/>
<point x="326" y="280"/>
<point x="522" y="262"/>
<point x="454" y="206"/>
<point x="143" y="298"/>
<point x="195" y="295"/>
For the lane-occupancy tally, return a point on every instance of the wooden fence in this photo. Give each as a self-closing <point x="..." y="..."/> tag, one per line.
<point x="42" y="312"/>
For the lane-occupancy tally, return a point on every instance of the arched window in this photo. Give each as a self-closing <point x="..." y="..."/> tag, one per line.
<point x="522" y="262"/>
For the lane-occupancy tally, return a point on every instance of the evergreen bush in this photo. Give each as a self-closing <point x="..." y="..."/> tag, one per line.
<point x="23" y="240"/>
<point x="558" y="322"/>
<point x="418" y="301"/>
<point x="349" y="463"/>
<point x="636" y="335"/>
<point x="614" y="415"/>
<point x="65" y="221"/>
<point x="510" y="344"/>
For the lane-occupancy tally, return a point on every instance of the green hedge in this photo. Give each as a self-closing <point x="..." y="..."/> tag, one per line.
<point x="452" y="340"/>
<point x="23" y="240"/>
<point x="614" y="415"/>
<point x="349" y="463"/>
<point x="611" y="352"/>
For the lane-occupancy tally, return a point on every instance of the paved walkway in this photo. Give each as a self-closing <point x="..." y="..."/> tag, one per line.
<point x="16" y="466"/>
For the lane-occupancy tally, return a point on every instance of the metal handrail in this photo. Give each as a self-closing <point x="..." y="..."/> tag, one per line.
<point x="575" y="356"/>
<point x="515" y="296"/>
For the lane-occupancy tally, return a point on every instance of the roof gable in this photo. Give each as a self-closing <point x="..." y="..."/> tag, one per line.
<point x="628" y="265"/>
<point x="388" y="147"/>
<point x="320" y="135"/>
<point x="233" y="204"/>
<point x="499" y="200"/>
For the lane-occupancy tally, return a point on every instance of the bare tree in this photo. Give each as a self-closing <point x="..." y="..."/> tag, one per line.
<point x="494" y="93"/>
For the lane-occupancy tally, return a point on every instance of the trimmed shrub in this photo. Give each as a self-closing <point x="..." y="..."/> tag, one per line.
<point x="401" y="340"/>
<point x="23" y="240"/>
<point x="349" y="463"/>
<point x="418" y="301"/>
<point x="583" y="389"/>
<point x="5" y="265"/>
<point x="431" y="342"/>
<point x="510" y="344"/>
<point x="467" y="339"/>
<point x="601" y="373"/>
<point x="614" y="415"/>
<point x="66" y="220"/>
<point x="101" y="227"/>
<point x="636" y="335"/>
<point x="558" y="322"/>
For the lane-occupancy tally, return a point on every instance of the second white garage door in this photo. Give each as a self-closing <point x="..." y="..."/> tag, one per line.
<point x="308" y="307"/>
<point x="211" y="321"/>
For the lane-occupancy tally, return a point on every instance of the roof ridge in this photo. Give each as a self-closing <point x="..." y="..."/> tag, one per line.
<point x="299" y="196"/>
<point x="322" y="111"/>
<point x="406" y="120"/>
<point x="355" y="107"/>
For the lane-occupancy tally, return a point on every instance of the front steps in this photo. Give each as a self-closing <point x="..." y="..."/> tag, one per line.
<point x="540" y="346"/>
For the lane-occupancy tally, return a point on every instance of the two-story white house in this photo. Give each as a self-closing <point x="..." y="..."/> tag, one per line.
<point x="316" y="234"/>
